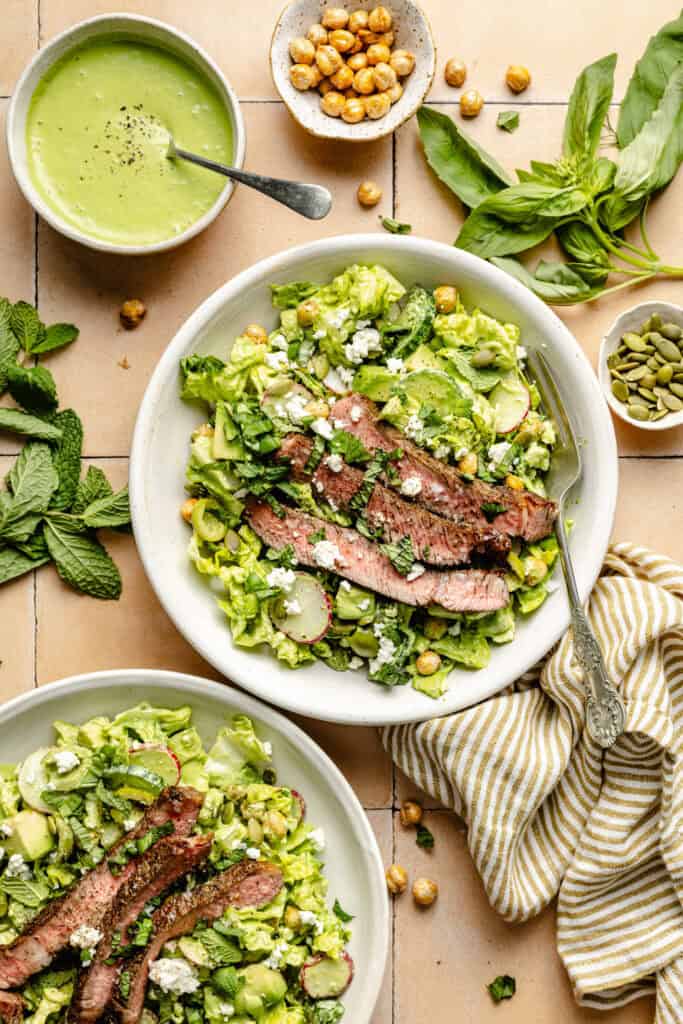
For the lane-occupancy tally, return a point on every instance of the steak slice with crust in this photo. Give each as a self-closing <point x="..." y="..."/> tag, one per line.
<point x="469" y="590"/>
<point x="158" y="869"/>
<point x="435" y="540"/>
<point x="11" y="1008"/>
<point x="247" y="884"/>
<point x="444" y="490"/>
<point x="91" y="896"/>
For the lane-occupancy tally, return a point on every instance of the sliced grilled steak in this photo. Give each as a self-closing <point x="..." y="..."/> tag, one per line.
<point x="89" y="899"/>
<point x="443" y="489"/>
<point x="247" y="884"/>
<point x="471" y="590"/>
<point x="160" y="867"/>
<point x="11" y="1008"/>
<point x="435" y="541"/>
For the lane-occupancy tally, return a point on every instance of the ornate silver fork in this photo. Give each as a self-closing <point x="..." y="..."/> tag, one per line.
<point x="605" y="716"/>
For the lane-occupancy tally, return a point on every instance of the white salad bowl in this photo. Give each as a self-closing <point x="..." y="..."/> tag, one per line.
<point x="353" y="865"/>
<point x="141" y="29"/>
<point x="161" y="448"/>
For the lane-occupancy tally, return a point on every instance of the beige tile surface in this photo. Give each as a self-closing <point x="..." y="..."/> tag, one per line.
<point x="19" y="40"/>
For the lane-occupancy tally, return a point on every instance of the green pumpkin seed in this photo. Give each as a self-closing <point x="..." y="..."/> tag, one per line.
<point x="649" y="395"/>
<point x="613" y="360"/>
<point x="666" y="348"/>
<point x="638" y="412"/>
<point x="678" y="377"/>
<point x="616" y="375"/>
<point x="652" y="363"/>
<point x="660" y="360"/>
<point x="638" y="357"/>
<point x="633" y="341"/>
<point x="636" y="374"/>
<point x="649" y="380"/>
<point x="665" y="373"/>
<point x="672" y="403"/>
<point x="676" y="389"/>
<point x="619" y="390"/>
<point x="659" y="414"/>
<point x="639" y="400"/>
<point x="630" y="365"/>
<point x="671" y="331"/>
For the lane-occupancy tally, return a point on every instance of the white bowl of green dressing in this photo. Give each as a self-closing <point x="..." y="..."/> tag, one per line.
<point x="88" y="128"/>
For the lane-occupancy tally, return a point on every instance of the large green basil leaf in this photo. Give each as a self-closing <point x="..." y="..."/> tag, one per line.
<point x="555" y="283"/>
<point x="649" y="80"/>
<point x="459" y="161"/>
<point x="588" y="106"/>
<point x="531" y="199"/>
<point x="589" y="259"/>
<point x="487" y="235"/>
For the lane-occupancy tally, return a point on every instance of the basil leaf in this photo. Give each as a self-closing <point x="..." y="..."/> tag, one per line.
<point x="18" y="422"/>
<point x="534" y="199"/>
<point x="649" y="80"/>
<point x="395" y="226"/>
<point x="549" y="174"/>
<point x="9" y="346"/>
<point x="113" y="510"/>
<point x="487" y="235"/>
<point x="590" y="259"/>
<point x="564" y="289"/>
<point x="588" y="106"/>
<point x="67" y="459"/>
<point x="32" y="387"/>
<point x="56" y="336"/>
<point x="13" y="563"/>
<point x="459" y="161"/>
<point x="508" y="120"/>
<point x="93" y="487"/>
<point x="82" y="561"/>
<point x="26" y="325"/>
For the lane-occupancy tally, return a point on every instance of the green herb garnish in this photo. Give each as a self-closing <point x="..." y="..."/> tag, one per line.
<point x="317" y="536"/>
<point x="341" y="913"/>
<point x="349" y="447"/>
<point x="424" y="838"/>
<point x="508" y="120"/>
<point x="491" y="509"/>
<point x="317" y="452"/>
<point x="401" y="555"/>
<point x="395" y="226"/>
<point x="502" y="987"/>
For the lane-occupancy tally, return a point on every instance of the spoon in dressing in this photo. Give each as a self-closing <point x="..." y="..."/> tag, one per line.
<point x="312" y="201"/>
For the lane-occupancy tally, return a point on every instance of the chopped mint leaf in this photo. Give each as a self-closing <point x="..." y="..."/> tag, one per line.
<point x="508" y="120"/>
<point x="349" y="447"/>
<point x="341" y="913"/>
<point x="491" y="509"/>
<point x="502" y="987"/>
<point x="315" y="538"/>
<point x="424" y="838"/>
<point x="401" y="555"/>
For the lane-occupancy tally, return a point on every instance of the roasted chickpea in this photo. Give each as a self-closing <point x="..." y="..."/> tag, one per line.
<point x="455" y="73"/>
<point x="332" y="103"/>
<point x="384" y="77"/>
<point x="317" y="35"/>
<point x="350" y="94"/>
<point x="364" y="81"/>
<point x="515" y="482"/>
<point x="471" y="103"/>
<point x="354" y="110"/>
<point x="335" y="17"/>
<point x="403" y="62"/>
<point x="318" y="409"/>
<point x="357" y="46"/>
<point x="469" y="464"/>
<point x="380" y="20"/>
<point x="301" y="76"/>
<point x="377" y="105"/>
<point x="388" y="38"/>
<point x="518" y="78"/>
<point x="292" y="918"/>
<point x="342" y="79"/>
<point x="325" y="87"/>
<point x="132" y="313"/>
<point x="369" y="193"/>
<point x="428" y="663"/>
<point x="425" y="891"/>
<point x="357" y="61"/>
<point x="395" y="93"/>
<point x="446" y="298"/>
<point x="341" y="40"/>
<point x="306" y="312"/>
<point x="316" y="76"/>
<point x="328" y="60"/>
<point x="397" y="879"/>
<point x="378" y="53"/>
<point x="187" y="508"/>
<point x="256" y="333"/>
<point x="411" y="813"/>
<point x="358" y="20"/>
<point x="435" y="628"/>
<point x="302" y="50"/>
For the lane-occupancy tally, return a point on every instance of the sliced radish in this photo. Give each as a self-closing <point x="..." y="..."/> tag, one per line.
<point x="304" y="613"/>
<point x="274" y="399"/>
<point x="511" y="401"/>
<point x="158" y="759"/>
<point x="324" y="978"/>
<point x="301" y="802"/>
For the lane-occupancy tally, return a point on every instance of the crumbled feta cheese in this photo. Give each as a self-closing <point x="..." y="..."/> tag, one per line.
<point x="441" y="451"/>
<point x="279" y="341"/>
<point x="394" y="365"/>
<point x="497" y="452"/>
<point x="360" y="324"/>
<point x="344" y="585"/>
<point x="355" y="662"/>
<point x="268" y="747"/>
<point x="334" y="380"/>
<point x="363" y="343"/>
<point x="416" y="570"/>
<point x="455" y="629"/>
<point x="337" y="317"/>
<point x="6" y="830"/>
<point x="356" y="413"/>
<point x="387" y="649"/>
<point x="296" y="407"/>
<point x="309" y="918"/>
<point x="292" y="607"/>
<point x="253" y="853"/>
<point x="242" y="493"/>
<point x="277" y="360"/>
<point x="521" y="353"/>
<point x="174" y="975"/>
<point x="65" y="761"/>
<point x="226" y="1009"/>
<point x="411" y="486"/>
<point x="322" y="427"/>
<point x="551" y="586"/>
<point x="317" y="837"/>
<point x="320" y="333"/>
<point x="239" y="845"/>
<point x="17" y="867"/>
<point x="335" y="463"/>
<point x="333" y="504"/>
<point x="414" y="428"/>
<point x="326" y="554"/>
<point x="85" y="937"/>
<point x="130" y="823"/>
<point x="277" y="956"/>
<point x="461" y="453"/>
<point x="283" y="579"/>
<point x="346" y="375"/>
<point x="364" y="605"/>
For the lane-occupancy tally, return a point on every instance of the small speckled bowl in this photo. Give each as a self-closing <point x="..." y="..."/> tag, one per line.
<point x="631" y="321"/>
<point x="412" y="33"/>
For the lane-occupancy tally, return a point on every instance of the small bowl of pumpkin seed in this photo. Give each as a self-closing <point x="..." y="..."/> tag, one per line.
<point x="641" y="366"/>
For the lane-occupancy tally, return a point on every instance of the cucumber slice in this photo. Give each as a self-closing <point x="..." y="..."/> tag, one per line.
<point x="511" y="402"/>
<point x="435" y="389"/>
<point x="32" y="779"/>
<point x="376" y="382"/>
<point x="135" y="777"/>
<point x="277" y="394"/>
<point x="300" y="804"/>
<point x="324" y="978"/>
<point x="312" y="621"/>
<point x="205" y="521"/>
<point x="159" y="760"/>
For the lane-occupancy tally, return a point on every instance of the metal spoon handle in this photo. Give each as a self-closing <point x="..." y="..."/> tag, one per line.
<point x="605" y="714"/>
<point x="312" y="201"/>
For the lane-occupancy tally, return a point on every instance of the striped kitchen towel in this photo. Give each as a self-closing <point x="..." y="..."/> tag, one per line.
<point x="550" y="814"/>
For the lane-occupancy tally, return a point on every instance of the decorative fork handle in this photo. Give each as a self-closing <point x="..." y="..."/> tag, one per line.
<point x="605" y="714"/>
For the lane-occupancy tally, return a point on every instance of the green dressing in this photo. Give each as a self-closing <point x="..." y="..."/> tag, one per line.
<point x="97" y="138"/>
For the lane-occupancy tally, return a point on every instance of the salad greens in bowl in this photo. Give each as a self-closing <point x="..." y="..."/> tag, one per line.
<point x="365" y="489"/>
<point x="158" y="862"/>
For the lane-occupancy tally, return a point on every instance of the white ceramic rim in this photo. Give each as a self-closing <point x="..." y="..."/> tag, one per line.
<point x="23" y="179"/>
<point x="272" y="267"/>
<point x="609" y="344"/>
<point x="197" y="686"/>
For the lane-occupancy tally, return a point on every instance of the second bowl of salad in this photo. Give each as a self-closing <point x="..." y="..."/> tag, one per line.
<point x="363" y="531"/>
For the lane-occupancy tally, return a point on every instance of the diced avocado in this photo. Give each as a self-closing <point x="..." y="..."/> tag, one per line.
<point x="225" y="443"/>
<point x="93" y="734"/>
<point x="110" y="834"/>
<point x="65" y="839"/>
<point x="194" y="774"/>
<point x="423" y="359"/>
<point x="363" y="643"/>
<point x="213" y="801"/>
<point x="194" y="951"/>
<point x="353" y="603"/>
<point x="187" y="745"/>
<point x="263" y="988"/>
<point x="30" y="836"/>
<point x="376" y="382"/>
